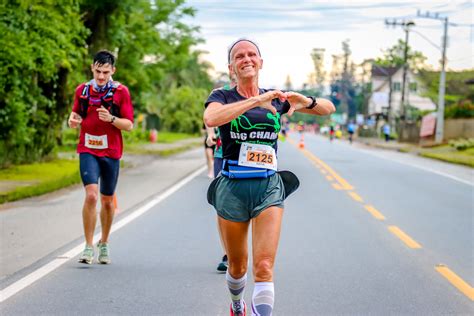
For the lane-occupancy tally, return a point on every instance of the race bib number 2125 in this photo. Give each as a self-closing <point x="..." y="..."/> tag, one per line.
<point x="257" y="155"/>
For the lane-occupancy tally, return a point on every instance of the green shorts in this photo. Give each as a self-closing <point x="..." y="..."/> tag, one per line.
<point x="240" y="200"/>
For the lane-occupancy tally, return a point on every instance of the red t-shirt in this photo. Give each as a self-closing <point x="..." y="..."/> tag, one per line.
<point x="104" y="139"/>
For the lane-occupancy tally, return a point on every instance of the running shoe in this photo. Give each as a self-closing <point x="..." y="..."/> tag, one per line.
<point x="222" y="266"/>
<point x="103" y="253"/>
<point x="241" y="312"/>
<point x="87" y="255"/>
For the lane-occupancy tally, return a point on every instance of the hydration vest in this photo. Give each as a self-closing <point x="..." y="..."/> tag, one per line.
<point x="107" y="100"/>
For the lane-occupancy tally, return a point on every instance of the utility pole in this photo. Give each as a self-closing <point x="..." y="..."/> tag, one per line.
<point x="442" y="77"/>
<point x="406" y="27"/>
<point x="346" y="76"/>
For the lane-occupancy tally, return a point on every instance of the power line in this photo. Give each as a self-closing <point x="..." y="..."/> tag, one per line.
<point x="427" y="39"/>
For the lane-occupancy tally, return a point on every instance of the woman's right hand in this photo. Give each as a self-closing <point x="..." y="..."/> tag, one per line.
<point x="74" y="120"/>
<point x="265" y="100"/>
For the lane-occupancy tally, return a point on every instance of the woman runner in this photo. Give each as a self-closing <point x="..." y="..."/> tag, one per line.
<point x="250" y="190"/>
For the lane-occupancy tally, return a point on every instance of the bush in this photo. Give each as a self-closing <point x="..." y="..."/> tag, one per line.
<point x="135" y="135"/>
<point x="70" y="137"/>
<point x="462" y="144"/>
<point x="464" y="109"/>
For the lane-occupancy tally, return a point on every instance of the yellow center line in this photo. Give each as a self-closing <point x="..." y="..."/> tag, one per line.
<point x="324" y="167"/>
<point x="404" y="237"/>
<point x="374" y="212"/>
<point x="455" y="280"/>
<point x="355" y="196"/>
<point x="342" y="184"/>
<point x="345" y="185"/>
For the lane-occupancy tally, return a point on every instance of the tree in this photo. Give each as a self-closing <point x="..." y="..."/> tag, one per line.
<point x="152" y="44"/>
<point x="40" y="47"/>
<point x="394" y="57"/>
<point x="46" y="49"/>
<point x="182" y="109"/>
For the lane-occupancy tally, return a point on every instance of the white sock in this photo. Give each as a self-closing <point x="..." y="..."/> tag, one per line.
<point x="236" y="288"/>
<point x="263" y="298"/>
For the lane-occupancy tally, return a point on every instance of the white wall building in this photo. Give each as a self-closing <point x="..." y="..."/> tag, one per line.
<point x="381" y="79"/>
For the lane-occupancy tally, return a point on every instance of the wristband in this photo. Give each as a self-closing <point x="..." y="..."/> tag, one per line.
<point x="313" y="103"/>
<point x="112" y="120"/>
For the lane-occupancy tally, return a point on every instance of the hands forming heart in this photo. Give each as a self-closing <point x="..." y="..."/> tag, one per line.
<point x="296" y="100"/>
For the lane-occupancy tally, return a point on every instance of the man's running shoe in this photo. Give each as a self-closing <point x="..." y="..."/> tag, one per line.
<point x="87" y="255"/>
<point x="242" y="310"/>
<point x="104" y="257"/>
<point x="222" y="266"/>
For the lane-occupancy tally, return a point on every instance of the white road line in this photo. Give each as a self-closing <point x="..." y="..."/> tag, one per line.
<point x="39" y="273"/>
<point x="420" y="167"/>
<point x="411" y="164"/>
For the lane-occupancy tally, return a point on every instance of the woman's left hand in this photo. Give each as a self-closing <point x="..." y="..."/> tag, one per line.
<point x="297" y="101"/>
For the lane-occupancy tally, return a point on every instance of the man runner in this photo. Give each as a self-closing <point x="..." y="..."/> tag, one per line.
<point x="102" y="108"/>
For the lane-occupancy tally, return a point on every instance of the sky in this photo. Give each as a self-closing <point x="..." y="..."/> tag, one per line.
<point x="287" y="31"/>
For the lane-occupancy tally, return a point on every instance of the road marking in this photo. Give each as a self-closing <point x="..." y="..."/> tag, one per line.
<point x="374" y="212"/>
<point x="452" y="277"/>
<point x="456" y="281"/>
<point x="376" y="154"/>
<point x="404" y="237"/>
<point x="355" y="196"/>
<point x="324" y="167"/>
<point x="329" y="178"/>
<point x="34" y="276"/>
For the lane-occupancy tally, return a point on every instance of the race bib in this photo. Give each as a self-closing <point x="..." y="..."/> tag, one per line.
<point x="258" y="156"/>
<point x="96" y="142"/>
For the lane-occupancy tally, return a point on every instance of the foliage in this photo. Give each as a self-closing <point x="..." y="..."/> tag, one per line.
<point x="462" y="144"/>
<point x="153" y="46"/>
<point x="456" y="88"/>
<point x="415" y="114"/>
<point x="182" y="109"/>
<point x="464" y="109"/>
<point x="394" y="57"/>
<point x="136" y="136"/>
<point x="46" y="49"/>
<point x="39" y="47"/>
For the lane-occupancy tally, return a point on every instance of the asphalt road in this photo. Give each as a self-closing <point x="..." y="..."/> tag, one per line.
<point x="364" y="235"/>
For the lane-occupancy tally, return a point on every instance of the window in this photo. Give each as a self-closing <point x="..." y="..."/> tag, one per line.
<point x="396" y="86"/>
<point x="413" y="87"/>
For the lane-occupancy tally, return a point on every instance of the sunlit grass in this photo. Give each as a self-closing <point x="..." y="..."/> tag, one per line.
<point x="35" y="179"/>
<point x="450" y="154"/>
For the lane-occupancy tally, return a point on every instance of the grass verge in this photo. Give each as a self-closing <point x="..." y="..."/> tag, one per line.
<point x="170" y="137"/>
<point x="24" y="181"/>
<point x="450" y="154"/>
<point x="139" y="149"/>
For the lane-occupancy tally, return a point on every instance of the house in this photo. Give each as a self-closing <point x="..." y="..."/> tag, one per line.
<point x="387" y="91"/>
